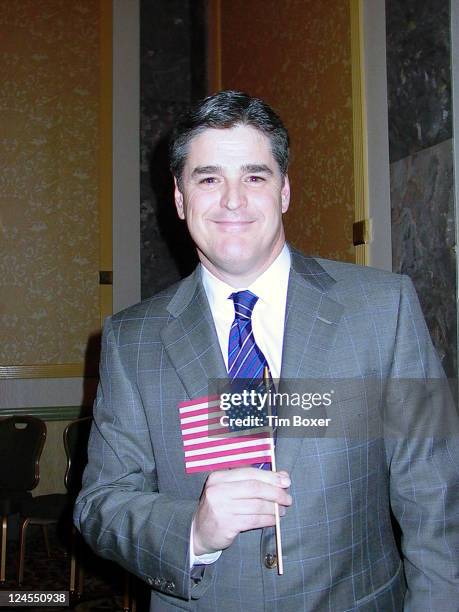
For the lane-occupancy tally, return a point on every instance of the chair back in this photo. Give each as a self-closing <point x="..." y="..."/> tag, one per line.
<point x="76" y="436"/>
<point x="21" y="443"/>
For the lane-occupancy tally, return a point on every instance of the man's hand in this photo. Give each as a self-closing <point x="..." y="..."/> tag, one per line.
<point x="237" y="500"/>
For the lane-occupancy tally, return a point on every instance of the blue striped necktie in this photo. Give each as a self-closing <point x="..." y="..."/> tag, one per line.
<point x="245" y="359"/>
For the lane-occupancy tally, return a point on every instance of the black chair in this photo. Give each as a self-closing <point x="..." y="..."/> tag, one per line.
<point x="47" y="509"/>
<point x="21" y="443"/>
<point x="56" y="508"/>
<point x="76" y="437"/>
<point x="42" y="510"/>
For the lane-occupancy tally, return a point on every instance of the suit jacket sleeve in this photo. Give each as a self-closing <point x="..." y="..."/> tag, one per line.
<point x="424" y="465"/>
<point x="119" y="511"/>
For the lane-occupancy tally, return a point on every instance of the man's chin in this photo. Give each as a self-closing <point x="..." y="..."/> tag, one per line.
<point x="236" y="260"/>
<point x="235" y="257"/>
<point x="236" y="266"/>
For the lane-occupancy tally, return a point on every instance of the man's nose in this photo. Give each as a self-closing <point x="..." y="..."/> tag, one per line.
<point x="233" y="197"/>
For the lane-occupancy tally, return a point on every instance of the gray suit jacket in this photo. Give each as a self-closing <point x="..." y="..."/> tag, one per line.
<point x="343" y="322"/>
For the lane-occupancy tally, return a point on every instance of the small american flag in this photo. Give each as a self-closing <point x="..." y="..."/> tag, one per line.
<point x="210" y="445"/>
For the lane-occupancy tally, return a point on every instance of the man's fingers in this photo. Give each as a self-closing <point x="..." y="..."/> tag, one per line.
<point x="242" y="491"/>
<point x="280" y="479"/>
<point x="256" y="489"/>
<point x="254" y="506"/>
<point x="256" y="521"/>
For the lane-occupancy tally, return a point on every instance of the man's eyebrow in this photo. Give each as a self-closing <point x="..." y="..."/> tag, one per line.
<point x="206" y="170"/>
<point x="256" y="169"/>
<point x="245" y="169"/>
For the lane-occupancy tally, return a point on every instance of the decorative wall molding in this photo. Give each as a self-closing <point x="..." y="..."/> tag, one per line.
<point x="359" y="126"/>
<point x="48" y="413"/>
<point x="72" y="370"/>
<point x="126" y="153"/>
<point x="66" y="370"/>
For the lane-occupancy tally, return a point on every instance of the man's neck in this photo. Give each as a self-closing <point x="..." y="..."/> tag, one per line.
<point x="240" y="280"/>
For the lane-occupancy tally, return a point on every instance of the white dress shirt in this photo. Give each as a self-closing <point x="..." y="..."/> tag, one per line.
<point x="268" y="314"/>
<point x="268" y="318"/>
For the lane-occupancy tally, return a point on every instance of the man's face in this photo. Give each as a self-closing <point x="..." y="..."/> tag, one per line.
<point x="233" y="196"/>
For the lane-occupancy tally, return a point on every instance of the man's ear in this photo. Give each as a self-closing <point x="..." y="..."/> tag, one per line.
<point x="285" y="194"/>
<point x="178" y="197"/>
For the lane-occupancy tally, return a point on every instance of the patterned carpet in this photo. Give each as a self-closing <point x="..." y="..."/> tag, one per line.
<point x="104" y="582"/>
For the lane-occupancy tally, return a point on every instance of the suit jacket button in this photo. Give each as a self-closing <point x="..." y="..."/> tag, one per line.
<point x="170" y="586"/>
<point x="271" y="560"/>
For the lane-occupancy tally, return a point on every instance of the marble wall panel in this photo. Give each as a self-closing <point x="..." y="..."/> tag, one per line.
<point x="173" y="74"/>
<point x="419" y="74"/>
<point x="420" y="149"/>
<point x="423" y="239"/>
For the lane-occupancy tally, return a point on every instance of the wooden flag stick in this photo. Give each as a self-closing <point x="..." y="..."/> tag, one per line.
<point x="280" y="561"/>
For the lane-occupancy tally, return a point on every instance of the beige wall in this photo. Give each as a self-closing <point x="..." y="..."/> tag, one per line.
<point x="49" y="191"/>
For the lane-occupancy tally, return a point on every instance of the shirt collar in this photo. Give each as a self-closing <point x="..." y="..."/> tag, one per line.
<point x="270" y="287"/>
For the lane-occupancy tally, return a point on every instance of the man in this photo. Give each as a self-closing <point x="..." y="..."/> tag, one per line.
<point x="206" y="541"/>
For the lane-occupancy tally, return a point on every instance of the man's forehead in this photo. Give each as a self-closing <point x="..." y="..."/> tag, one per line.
<point x="242" y="143"/>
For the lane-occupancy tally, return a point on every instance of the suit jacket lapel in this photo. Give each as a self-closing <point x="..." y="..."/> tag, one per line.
<point x="311" y="322"/>
<point x="190" y="338"/>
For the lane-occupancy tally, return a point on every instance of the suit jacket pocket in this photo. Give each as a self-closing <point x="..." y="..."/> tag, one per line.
<point x="163" y="603"/>
<point x="395" y="585"/>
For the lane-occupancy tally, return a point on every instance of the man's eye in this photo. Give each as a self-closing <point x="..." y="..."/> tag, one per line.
<point x="256" y="179"/>
<point x="208" y="180"/>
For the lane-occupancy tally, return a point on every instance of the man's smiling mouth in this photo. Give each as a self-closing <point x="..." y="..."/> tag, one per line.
<point x="234" y="226"/>
<point x="233" y="222"/>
